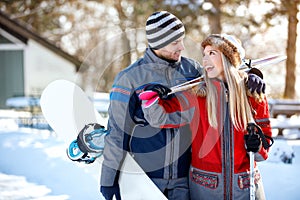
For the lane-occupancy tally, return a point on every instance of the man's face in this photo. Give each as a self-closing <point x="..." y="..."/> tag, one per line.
<point x="172" y="51"/>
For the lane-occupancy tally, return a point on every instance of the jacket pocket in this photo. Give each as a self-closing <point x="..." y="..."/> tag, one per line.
<point x="244" y="179"/>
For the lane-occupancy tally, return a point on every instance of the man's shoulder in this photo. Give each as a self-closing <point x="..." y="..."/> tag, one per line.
<point x="130" y="71"/>
<point x="190" y="67"/>
<point x="190" y="61"/>
<point x="133" y="66"/>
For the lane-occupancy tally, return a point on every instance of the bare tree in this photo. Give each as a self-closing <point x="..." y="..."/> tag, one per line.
<point x="220" y="13"/>
<point x="290" y="79"/>
<point x="85" y="28"/>
<point x="214" y="16"/>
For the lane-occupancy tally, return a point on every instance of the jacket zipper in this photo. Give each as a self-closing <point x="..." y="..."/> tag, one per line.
<point x="171" y="132"/>
<point x="171" y="155"/>
<point x="227" y="141"/>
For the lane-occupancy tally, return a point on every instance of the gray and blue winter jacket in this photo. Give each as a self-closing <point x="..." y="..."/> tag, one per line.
<point x="162" y="153"/>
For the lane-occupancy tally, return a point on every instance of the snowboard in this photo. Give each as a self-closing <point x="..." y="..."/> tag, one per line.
<point x="67" y="109"/>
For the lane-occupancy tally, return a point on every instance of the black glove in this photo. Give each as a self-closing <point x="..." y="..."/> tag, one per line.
<point x="109" y="191"/>
<point x="252" y="142"/>
<point x="255" y="83"/>
<point x="161" y="90"/>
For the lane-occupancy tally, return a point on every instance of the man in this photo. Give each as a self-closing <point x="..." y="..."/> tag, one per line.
<point x="164" y="154"/>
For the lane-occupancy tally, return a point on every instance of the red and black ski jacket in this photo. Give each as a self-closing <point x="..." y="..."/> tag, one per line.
<point x="217" y="152"/>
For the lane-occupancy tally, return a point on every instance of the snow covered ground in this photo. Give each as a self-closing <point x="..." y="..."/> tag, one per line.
<point x="34" y="165"/>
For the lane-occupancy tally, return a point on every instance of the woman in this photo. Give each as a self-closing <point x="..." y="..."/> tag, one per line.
<point x="220" y="148"/>
<point x="220" y="162"/>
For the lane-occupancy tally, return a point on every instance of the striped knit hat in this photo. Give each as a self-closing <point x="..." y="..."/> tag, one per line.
<point x="162" y="28"/>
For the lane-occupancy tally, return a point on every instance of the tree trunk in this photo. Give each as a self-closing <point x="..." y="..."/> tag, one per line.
<point x="214" y="17"/>
<point x="290" y="79"/>
<point x="126" y="60"/>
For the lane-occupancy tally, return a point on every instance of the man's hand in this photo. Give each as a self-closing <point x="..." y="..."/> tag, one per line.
<point x="161" y="90"/>
<point x="109" y="191"/>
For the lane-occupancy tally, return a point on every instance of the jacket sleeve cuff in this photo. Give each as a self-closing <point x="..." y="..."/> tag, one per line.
<point x="109" y="176"/>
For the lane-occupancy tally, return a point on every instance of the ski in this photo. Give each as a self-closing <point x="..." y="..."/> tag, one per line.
<point x="269" y="60"/>
<point x="247" y="65"/>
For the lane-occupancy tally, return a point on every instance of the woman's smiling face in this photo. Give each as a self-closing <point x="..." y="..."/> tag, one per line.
<point x="212" y="62"/>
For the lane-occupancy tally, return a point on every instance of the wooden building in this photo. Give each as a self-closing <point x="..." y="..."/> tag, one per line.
<point x="28" y="62"/>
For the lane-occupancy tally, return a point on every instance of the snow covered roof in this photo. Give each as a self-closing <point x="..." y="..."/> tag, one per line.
<point x="23" y="33"/>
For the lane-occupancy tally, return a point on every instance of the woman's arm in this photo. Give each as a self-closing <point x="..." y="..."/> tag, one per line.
<point x="175" y="111"/>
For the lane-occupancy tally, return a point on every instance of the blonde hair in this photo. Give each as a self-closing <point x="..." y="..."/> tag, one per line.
<point x="239" y="107"/>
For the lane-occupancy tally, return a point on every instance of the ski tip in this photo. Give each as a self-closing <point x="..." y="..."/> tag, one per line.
<point x="268" y="60"/>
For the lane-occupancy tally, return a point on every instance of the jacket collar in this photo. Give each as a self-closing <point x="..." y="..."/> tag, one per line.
<point x="152" y="58"/>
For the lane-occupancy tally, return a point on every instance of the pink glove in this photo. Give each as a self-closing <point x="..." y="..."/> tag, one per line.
<point x="150" y="97"/>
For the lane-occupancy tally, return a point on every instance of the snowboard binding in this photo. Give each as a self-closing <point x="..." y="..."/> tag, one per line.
<point x="75" y="154"/>
<point x="89" y="144"/>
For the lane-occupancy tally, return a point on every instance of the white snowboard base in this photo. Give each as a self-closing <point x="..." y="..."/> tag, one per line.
<point x="67" y="109"/>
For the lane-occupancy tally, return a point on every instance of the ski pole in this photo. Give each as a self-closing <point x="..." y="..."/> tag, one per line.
<point x="252" y="186"/>
<point x="251" y="131"/>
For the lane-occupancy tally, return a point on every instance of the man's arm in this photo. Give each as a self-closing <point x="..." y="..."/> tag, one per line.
<point x="120" y="126"/>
